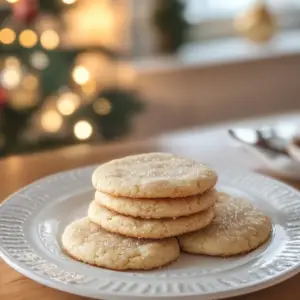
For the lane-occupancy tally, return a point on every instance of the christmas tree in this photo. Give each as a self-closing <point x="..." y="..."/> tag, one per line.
<point x="47" y="98"/>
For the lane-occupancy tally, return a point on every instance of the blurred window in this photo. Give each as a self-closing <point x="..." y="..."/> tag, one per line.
<point x="197" y="10"/>
<point x="209" y="19"/>
<point x="213" y="18"/>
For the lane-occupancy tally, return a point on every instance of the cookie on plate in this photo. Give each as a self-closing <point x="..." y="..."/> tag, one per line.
<point x="148" y="229"/>
<point x="158" y="207"/>
<point x="89" y="243"/>
<point x="237" y="228"/>
<point x="153" y="175"/>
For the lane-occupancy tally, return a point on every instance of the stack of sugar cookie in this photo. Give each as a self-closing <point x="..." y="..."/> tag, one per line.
<point x="153" y="196"/>
<point x="142" y="202"/>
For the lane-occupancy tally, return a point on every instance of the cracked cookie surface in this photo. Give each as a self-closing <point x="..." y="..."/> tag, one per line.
<point x="89" y="243"/>
<point x="159" y="207"/>
<point x="151" y="228"/>
<point x="237" y="228"/>
<point x="153" y="175"/>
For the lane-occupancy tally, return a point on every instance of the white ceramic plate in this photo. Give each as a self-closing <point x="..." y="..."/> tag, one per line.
<point x="33" y="219"/>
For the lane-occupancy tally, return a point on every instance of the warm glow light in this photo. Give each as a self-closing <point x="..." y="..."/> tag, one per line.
<point x="12" y="1"/>
<point x="39" y="60"/>
<point x="50" y="39"/>
<point x="28" y="38"/>
<point x="68" y="1"/>
<point x="68" y="103"/>
<point x="80" y="75"/>
<point x="11" y="78"/>
<point x="30" y="82"/>
<point x="83" y="130"/>
<point x="12" y="61"/>
<point x="7" y="36"/>
<point x="102" y="106"/>
<point x="51" y="121"/>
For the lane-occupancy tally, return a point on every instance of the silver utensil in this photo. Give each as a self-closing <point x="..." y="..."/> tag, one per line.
<point x="264" y="139"/>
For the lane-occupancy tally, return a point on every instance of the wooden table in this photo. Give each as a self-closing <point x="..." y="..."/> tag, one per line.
<point x="18" y="171"/>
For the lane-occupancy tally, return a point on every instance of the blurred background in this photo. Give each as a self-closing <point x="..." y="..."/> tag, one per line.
<point x="95" y="71"/>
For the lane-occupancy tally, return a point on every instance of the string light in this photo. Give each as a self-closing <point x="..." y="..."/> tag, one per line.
<point x="83" y="130"/>
<point x="102" y="106"/>
<point x="28" y="38"/>
<point x="68" y="103"/>
<point x="51" y="121"/>
<point x="11" y="78"/>
<point x="30" y="82"/>
<point x="39" y="60"/>
<point x="50" y="39"/>
<point x="80" y="75"/>
<point x="7" y="36"/>
<point x="69" y="2"/>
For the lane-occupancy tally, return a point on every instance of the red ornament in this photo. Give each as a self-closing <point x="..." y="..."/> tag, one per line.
<point x="25" y="11"/>
<point x="3" y="97"/>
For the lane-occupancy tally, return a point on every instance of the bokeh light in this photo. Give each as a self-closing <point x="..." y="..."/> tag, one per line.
<point x="102" y="106"/>
<point x="68" y="103"/>
<point x="11" y="77"/>
<point x="39" y="60"/>
<point x="51" y="121"/>
<point x="83" y="130"/>
<point x="7" y="36"/>
<point x="69" y="2"/>
<point x="50" y="39"/>
<point x="28" y="38"/>
<point x="80" y="75"/>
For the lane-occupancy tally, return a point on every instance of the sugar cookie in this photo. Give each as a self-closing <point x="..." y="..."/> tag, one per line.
<point x="151" y="228"/>
<point x="237" y="228"/>
<point x="89" y="243"/>
<point x="159" y="207"/>
<point x="153" y="175"/>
